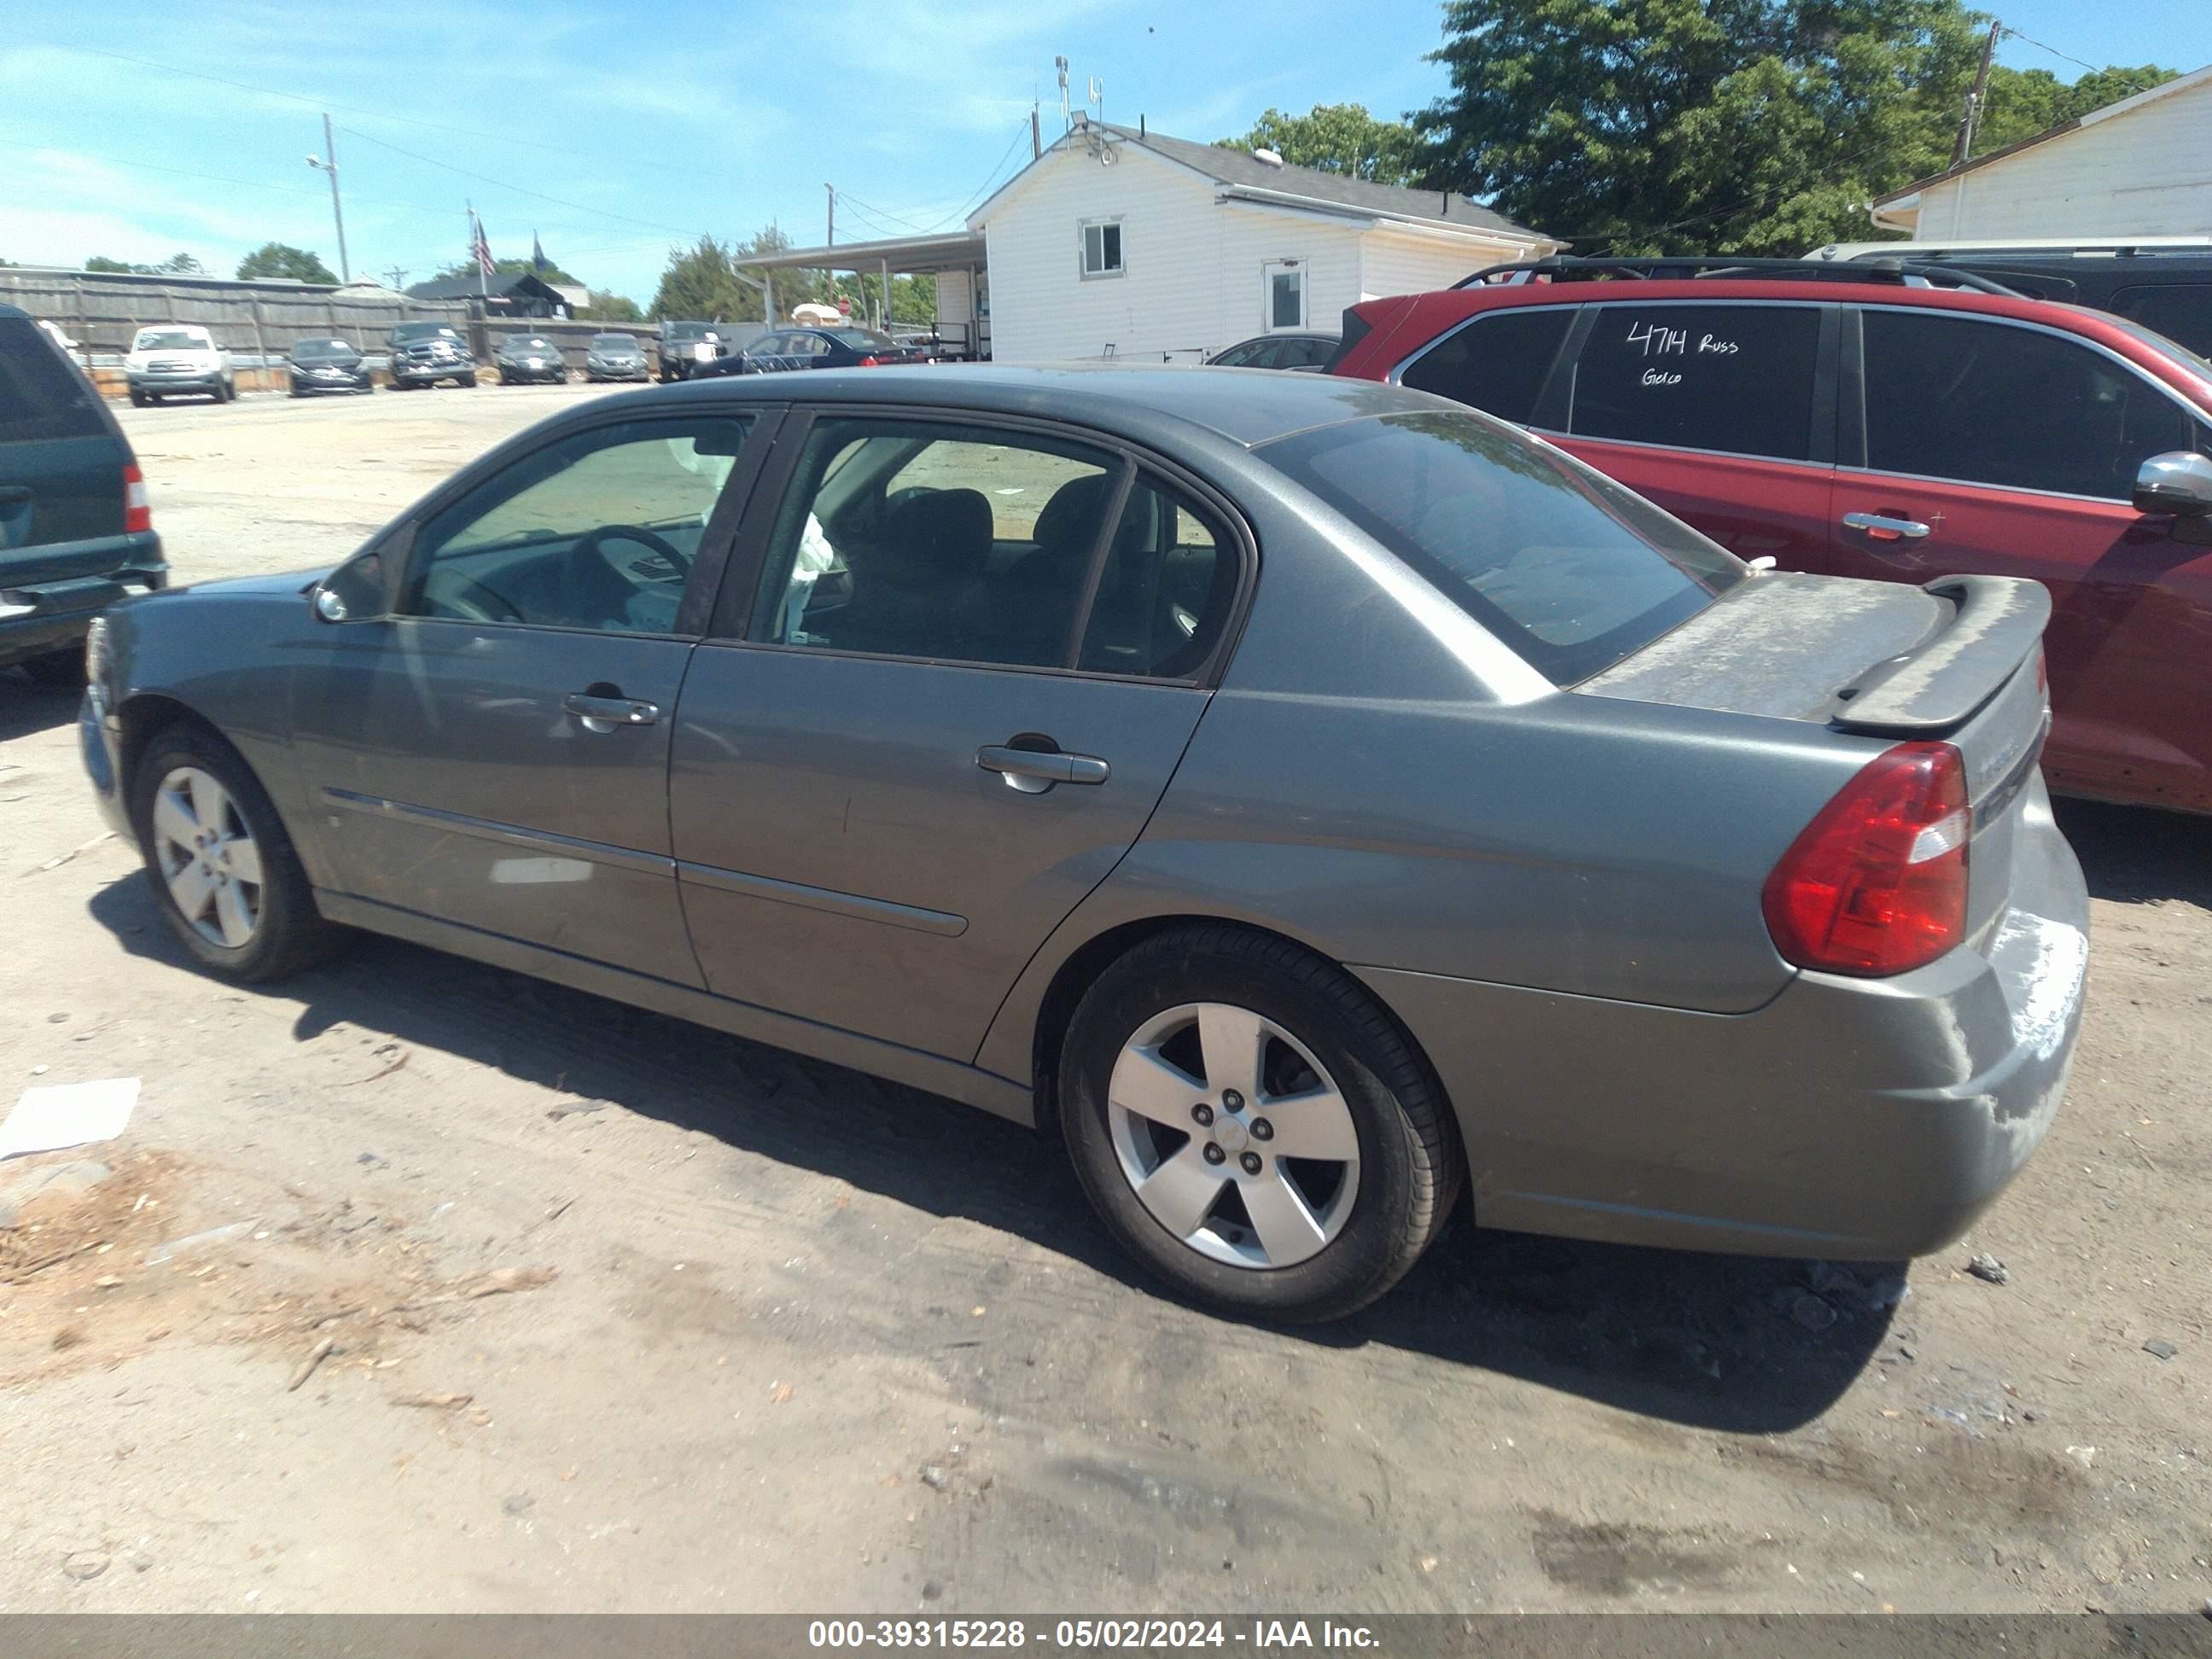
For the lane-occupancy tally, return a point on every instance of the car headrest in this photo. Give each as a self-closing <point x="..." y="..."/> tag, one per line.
<point x="1069" y="524"/>
<point x="948" y="530"/>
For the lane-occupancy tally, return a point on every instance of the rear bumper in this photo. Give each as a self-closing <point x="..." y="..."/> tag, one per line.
<point x="424" y="374"/>
<point x="37" y="617"/>
<point x="1854" y="1119"/>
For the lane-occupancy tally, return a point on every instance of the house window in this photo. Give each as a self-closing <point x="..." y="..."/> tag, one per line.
<point x="1102" y="247"/>
<point x="1284" y="294"/>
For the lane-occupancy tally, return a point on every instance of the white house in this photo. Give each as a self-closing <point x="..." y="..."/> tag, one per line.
<point x="1117" y="242"/>
<point x="2140" y="168"/>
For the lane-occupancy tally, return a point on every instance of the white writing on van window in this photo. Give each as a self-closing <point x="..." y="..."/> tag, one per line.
<point x="1707" y="345"/>
<point x="1661" y="377"/>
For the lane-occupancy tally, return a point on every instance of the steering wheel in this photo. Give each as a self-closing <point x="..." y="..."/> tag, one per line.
<point x="590" y="585"/>
<point x="472" y="600"/>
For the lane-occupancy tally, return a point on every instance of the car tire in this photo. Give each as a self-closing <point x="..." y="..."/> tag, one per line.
<point x="138" y="398"/>
<point x="467" y="380"/>
<point x="284" y="932"/>
<point x="1337" y="1230"/>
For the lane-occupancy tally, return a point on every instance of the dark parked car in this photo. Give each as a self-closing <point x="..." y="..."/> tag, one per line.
<point x="2164" y="284"/>
<point x="75" y="530"/>
<point x="423" y="354"/>
<point x="522" y="359"/>
<point x="1859" y="423"/>
<point x="1494" y="828"/>
<point x="689" y="349"/>
<point x="328" y="366"/>
<point x="616" y="357"/>
<point x="818" y="347"/>
<point x="1309" y="351"/>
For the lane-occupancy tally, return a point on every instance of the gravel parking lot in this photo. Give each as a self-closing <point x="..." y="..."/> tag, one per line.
<point x="617" y="1313"/>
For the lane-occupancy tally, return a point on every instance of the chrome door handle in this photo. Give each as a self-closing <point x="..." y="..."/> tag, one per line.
<point x="605" y="713"/>
<point x="1034" y="771"/>
<point x="1882" y="526"/>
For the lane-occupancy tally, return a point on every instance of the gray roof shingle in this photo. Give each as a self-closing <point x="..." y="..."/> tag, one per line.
<point x="1241" y="169"/>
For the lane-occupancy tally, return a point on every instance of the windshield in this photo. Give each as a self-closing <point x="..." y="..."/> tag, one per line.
<point x="409" y="332"/>
<point x="310" y="349"/>
<point x="862" y="339"/>
<point x="1570" y="570"/>
<point x="688" y="332"/>
<point x="170" y="339"/>
<point x="613" y="342"/>
<point x="527" y="343"/>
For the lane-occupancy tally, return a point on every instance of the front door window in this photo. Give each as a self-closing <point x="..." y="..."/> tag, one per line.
<point x="597" y="530"/>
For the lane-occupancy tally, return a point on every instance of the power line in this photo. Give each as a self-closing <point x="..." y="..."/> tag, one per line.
<point x="2068" y="57"/>
<point x="501" y="184"/>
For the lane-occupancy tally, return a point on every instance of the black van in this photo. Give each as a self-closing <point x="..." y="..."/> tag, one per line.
<point x="75" y="532"/>
<point x="2168" y="289"/>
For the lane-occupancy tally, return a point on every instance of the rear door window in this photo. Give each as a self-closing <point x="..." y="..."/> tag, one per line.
<point x="42" y="395"/>
<point x="1565" y="566"/>
<point x="1991" y="403"/>
<point x="1498" y="363"/>
<point x="2182" y="313"/>
<point x="1734" y="379"/>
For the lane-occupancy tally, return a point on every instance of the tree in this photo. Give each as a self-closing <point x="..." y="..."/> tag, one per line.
<point x="177" y="264"/>
<point x="514" y="267"/>
<point x="609" y="308"/>
<point x="700" y="283"/>
<point x="1673" y="126"/>
<point x="283" y="259"/>
<point x="1336" y="139"/>
<point x="2020" y="103"/>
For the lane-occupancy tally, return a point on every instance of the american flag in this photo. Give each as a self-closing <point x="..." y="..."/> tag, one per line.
<point x="482" y="251"/>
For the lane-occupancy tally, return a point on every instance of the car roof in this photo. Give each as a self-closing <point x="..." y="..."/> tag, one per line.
<point x="1146" y="402"/>
<point x="14" y="310"/>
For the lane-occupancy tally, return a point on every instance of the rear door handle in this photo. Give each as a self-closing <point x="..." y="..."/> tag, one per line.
<point x="1034" y="771"/>
<point x="605" y="713"/>
<point x="1884" y="528"/>
<point x="13" y="495"/>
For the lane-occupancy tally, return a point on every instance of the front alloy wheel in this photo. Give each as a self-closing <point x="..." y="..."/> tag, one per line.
<point x="207" y="857"/>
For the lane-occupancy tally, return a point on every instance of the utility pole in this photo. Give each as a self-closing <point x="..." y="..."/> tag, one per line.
<point x="399" y="275"/>
<point x="830" y="241"/>
<point x="1960" y="150"/>
<point x="328" y="162"/>
<point x="1036" y="137"/>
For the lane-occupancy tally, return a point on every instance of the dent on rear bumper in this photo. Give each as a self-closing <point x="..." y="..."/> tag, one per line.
<point x="1868" y="1119"/>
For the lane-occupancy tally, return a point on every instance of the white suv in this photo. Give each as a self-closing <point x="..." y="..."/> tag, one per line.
<point x="169" y="358"/>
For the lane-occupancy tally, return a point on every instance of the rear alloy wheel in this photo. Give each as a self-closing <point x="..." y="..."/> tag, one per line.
<point x="1252" y="1125"/>
<point x="228" y="882"/>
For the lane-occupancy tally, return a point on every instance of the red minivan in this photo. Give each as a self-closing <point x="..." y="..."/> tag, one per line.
<point x="1882" y="427"/>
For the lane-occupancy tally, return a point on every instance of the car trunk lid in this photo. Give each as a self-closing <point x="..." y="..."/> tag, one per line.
<point x="1958" y="662"/>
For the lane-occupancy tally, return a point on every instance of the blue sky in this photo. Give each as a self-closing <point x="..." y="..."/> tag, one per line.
<point x="645" y="124"/>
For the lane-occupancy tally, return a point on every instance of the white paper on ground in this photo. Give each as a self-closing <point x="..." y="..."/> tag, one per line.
<point x="68" y="1115"/>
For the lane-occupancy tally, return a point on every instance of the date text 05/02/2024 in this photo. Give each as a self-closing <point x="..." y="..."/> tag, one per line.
<point x="1085" y="1635"/>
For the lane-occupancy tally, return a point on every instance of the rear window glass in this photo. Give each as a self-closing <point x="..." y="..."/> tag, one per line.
<point x="1498" y="363"/>
<point x="41" y="394"/>
<point x="2174" y="315"/>
<point x="1570" y="570"/>
<point x="1736" y="379"/>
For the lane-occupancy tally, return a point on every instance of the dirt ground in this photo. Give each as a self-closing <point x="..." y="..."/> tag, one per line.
<point x="615" y="1313"/>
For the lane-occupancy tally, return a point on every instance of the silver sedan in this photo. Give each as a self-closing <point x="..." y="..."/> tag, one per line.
<point x="1318" y="804"/>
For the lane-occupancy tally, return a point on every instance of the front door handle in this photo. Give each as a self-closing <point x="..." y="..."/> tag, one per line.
<point x="1884" y="527"/>
<point x="1034" y="771"/>
<point x="605" y="713"/>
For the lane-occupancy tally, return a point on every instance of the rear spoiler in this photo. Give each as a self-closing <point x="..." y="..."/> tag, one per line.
<point x="1996" y="621"/>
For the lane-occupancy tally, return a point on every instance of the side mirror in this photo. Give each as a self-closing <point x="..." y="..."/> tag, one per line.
<point x="2177" y="484"/>
<point x="354" y="592"/>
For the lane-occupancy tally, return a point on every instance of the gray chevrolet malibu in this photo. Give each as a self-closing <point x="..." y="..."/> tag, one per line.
<point x="1309" y="798"/>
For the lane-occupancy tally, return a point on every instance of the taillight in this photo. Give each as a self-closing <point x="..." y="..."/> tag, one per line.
<point x="137" y="512"/>
<point x="2042" y="675"/>
<point x="1876" y="883"/>
<point x="872" y="362"/>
